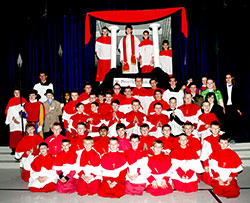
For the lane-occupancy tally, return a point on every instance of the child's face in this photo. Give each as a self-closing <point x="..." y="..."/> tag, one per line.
<point x="215" y="129"/>
<point x="66" y="146"/>
<point x="101" y="98"/>
<point x="105" y="32"/>
<point x="157" y="148"/>
<point x="153" y="84"/>
<point x="224" y="144"/>
<point x="172" y="82"/>
<point x="183" y="140"/>
<point x="158" y="96"/>
<point x="158" y="109"/>
<point x="172" y="103"/>
<point x="188" y="98"/>
<point x="32" y="97"/>
<point x="121" y="132"/>
<point x="74" y="96"/>
<point x="206" y="107"/>
<point x="56" y="130"/>
<point x="193" y="88"/>
<point x="49" y="96"/>
<point x="115" y="106"/>
<point x="30" y="131"/>
<point x="188" y="129"/>
<point x="103" y="132"/>
<point x="88" y="144"/>
<point x="113" y="145"/>
<point x="80" y="109"/>
<point x="210" y="84"/>
<point x="116" y="89"/>
<point x="81" y="129"/>
<point x="166" y="131"/>
<point x="88" y="89"/>
<point x="135" y="143"/>
<point x="136" y="106"/>
<point x="92" y="98"/>
<point x="16" y="93"/>
<point x="67" y="96"/>
<point x="165" y="46"/>
<point x="128" y="92"/>
<point x="138" y="82"/>
<point x="204" y="81"/>
<point x="145" y="35"/>
<point x="144" y="131"/>
<point x="43" y="150"/>
<point x="93" y="108"/>
<point x="108" y="98"/>
<point x="211" y="99"/>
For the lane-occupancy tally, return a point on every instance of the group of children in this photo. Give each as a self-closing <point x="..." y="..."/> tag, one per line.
<point x="116" y="166"/>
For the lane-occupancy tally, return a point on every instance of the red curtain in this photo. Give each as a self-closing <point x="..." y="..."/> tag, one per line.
<point x="134" y="16"/>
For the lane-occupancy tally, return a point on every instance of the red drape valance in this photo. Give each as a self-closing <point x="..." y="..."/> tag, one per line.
<point x="134" y="16"/>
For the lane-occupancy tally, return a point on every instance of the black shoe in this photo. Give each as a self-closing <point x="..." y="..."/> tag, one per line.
<point x="12" y="151"/>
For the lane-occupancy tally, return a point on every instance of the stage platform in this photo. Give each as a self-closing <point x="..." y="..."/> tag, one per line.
<point x="14" y="189"/>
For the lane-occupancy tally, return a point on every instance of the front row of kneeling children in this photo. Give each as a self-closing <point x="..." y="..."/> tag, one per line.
<point x="113" y="174"/>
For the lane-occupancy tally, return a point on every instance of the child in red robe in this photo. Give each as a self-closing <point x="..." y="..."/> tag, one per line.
<point x="225" y="165"/>
<point x="134" y="119"/>
<point x="27" y="149"/>
<point x="114" y="117"/>
<point x="146" y="141"/>
<point x="124" y="142"/>
<point x="84" y="97"/>
<point x="54" y="141"/>
<point x="193" y="140"/>
<point x="138" y="171"/>
<point x="80" y="116"/>
<point x="159" y="181"/>
<point x="157" y="120"/>
<point x="125" y="104"/>
<point x="168" y="140"/>
<point x="117" y="93"/>
<point x="205" y="120"/>
<point x="77" y="141"/>
<point x="101" y="143"/>
<point x="64" y="165"/>
<point x="186" y="164"/>
<point x="114" y="168"/>
<point x="88" y="169"/>
<point x="42" y="176"/>
<point x="210" y="145"/>
<point x="105" y="107"/>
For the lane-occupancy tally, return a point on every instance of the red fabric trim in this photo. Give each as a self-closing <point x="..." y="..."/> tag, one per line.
<point x="134" y="16"/>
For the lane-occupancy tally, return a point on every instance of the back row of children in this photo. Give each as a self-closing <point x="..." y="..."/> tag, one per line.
<point x="115" y="166"/>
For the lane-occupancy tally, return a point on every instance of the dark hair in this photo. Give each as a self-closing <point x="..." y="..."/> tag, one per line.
<point x="116" y="101"/>
<point x="157" y="91"/>
<point x="134" y="136"/>
<point x="89" y="138"/>
<point x="113" y="139"/>
<point x="215" y="123"/>
<point x="95" y="103"/>
<point x="81" y="123"/>
<point x="165" y="41"/>
<point x="224" y="136"/>
<point x="188" y="123"/>
<point x="120" y="125"/>
<point x="210" y="94"/>
<point x="79" y="104"/>
<point x="136" y="101"/>
<point x="158" y="142"/>
<point x="103" y="127"/>
<point x="43" y="144"/>
<point x="158" y="103"/>
<point x="144" y="125"/>
<point x="65" y="140"/>
<point x="166" y="125"/>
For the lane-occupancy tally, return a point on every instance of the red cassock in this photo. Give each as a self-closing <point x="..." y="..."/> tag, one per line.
<point x="40" y="167"/>
<point x="206" y="119"/>
<point x="191" y="113"/>
<point x="151" y="110"/>
<point x="101" y="144"/>
<point x="225" y="163"/>
<point x="105" y="108"/>
<point x="156" y="121"/>
<point x="210" y="145"/>
<point x="140" y="92"/>
<point x="114" y="168"/>
<point x="27" y="143"/>
<point x="125" y="105"/>
<point x="124" y="143"/>
<point x="89" y="165"/>
<point x="95" y="123"/>
<point x="120" y="97"/>
<point x="77" y="142"/>
<point x="84" y="98"/>
<point x="160" y="170"/>
<point x="137" y="160"/>
<point x="74" y="120"/>
<point x="64" y="166"/>
<point x="186" y="164"/>
<point x="54" y="143"/>
<point x="169" y="143"/>
<point x="134" y="118"/>
<point x="114" y="117"/>
<point x="87" y="109"/>
<point x="195" y="143"/>
<point x="146" y="142"/>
